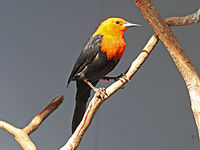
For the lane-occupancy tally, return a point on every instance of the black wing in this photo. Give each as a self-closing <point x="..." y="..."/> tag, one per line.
<point x="87" y="55"/>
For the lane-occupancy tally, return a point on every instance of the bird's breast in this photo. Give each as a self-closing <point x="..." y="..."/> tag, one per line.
<point x="113" y="46"/>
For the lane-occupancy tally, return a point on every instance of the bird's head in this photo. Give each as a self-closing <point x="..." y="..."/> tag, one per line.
<point x="114" y="26"/>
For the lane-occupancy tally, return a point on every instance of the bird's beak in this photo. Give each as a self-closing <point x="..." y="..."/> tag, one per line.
<point x="128" y="25"/>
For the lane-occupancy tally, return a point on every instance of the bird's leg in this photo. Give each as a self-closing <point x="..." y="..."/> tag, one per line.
<point x="101" y="91"/>
<point x="112" y="78"/>
<point x="122" y="75"/>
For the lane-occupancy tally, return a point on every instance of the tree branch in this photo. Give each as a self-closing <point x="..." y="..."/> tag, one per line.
<point x="185" y="20"/>
<point x="95" y="103"/>
<point x="181" y="60"/>
<point x="21" y="135"/>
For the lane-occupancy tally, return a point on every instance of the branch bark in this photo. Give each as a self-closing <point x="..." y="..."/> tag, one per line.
<point x="174" y="48"/>
<point x="22" y="135"/>
<point x="95" y="103"/>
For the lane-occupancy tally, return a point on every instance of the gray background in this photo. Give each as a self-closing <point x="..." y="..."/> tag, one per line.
<point x="39" y="43"/>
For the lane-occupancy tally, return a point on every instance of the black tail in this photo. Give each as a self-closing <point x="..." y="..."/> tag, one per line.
<point x="82" y="95"/>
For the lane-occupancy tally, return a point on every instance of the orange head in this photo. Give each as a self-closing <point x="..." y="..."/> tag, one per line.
<point x="114" y="26"/>
<point x="112" y="31"/>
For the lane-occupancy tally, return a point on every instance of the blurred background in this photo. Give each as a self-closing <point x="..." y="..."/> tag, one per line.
<point x="39" y="43"/>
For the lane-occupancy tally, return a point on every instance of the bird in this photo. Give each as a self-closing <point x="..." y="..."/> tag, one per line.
<point x="99" y="56"/>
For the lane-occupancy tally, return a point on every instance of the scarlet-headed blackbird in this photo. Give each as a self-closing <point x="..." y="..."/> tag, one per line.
<point x="100" y="55"/>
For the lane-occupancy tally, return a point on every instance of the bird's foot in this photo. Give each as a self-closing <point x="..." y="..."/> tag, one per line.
<point x="123" y="76"/>
<point x="101" y="92"/>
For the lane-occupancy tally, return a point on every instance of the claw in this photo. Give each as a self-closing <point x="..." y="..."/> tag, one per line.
<point x="101" y="93"/>
<point x="122" y="78"/>
<point x="125" y="77"/>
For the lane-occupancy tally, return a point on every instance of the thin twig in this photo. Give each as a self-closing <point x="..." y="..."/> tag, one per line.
<point x="185" y="20"/>
<point x="38" y="119"/>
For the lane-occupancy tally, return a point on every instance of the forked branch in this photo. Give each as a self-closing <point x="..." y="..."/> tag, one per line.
<point x="22" y="135"/>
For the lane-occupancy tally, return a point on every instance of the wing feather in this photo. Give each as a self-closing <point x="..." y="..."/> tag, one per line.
<point x="86" y="56"/>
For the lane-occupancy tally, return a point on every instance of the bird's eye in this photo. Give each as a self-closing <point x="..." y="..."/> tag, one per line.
<point x="117" y="22"/>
